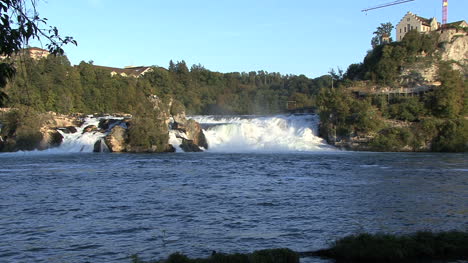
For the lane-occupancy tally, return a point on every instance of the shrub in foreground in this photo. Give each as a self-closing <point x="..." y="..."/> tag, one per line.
<point x="406" y="248"/>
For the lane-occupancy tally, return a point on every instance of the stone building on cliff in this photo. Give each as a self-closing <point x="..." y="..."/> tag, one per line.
<point x="413" y="22"/>
<point x="423" y="25"/>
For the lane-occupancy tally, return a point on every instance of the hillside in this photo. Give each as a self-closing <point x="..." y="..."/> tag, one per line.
<point x="405" y="96"/>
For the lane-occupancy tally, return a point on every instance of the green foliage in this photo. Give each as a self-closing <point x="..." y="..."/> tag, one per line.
<point x="407" y="109"/>
<point x="384" y="30"/>
<point x="405" y="248"/>
<point x="177" y="108"/>
<point x="23" y="126"/>
<point x="448" y="100"/>
<point x="346" y="114"/>
<point x="383" y="66"/>
<point x="393" y="139"/>
<point x="20" y="22"/>
<point x="283" y="255"/>
<point x="148" y="130"/>
<point x="453" y="137"/>
<point x="383" y="63"/>
<point x="52" y="84"/>
<point x="416" y="42"/>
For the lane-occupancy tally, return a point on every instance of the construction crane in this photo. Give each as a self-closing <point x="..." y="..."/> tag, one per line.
<point x="387" y="4"/>
<point x="444" y="8"/>
<point x="444" y="11"/>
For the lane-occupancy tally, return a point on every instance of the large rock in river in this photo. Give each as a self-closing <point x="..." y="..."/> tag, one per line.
<point x="116" y="140"/>
<point x="193" y="131"/>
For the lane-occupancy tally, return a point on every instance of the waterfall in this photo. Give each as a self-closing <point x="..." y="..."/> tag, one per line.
<point x="81" y="141"/>
<point x="280" y="133"/>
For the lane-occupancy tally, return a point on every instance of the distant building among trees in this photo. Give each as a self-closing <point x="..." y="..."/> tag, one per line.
<point x="130" y="71"/>
<point x="33" y="52"/>
<point x="36" y="53"/>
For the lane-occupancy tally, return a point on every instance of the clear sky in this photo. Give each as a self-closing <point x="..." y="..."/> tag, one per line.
<point x="291" y="37"/>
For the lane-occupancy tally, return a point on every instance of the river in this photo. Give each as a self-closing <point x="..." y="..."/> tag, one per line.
<point x="100" y="207"/>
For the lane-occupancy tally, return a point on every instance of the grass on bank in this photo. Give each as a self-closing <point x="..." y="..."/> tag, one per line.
<point x="418" y="247"/>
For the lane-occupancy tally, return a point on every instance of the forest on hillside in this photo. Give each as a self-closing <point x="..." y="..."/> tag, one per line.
<point x="53" y="84"/>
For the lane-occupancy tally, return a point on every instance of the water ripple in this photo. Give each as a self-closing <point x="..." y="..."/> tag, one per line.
<point x="98" y="207"/>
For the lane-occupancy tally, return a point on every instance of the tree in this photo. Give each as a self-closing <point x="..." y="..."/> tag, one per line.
<point x="382" y="32"/>
<point x="19" y="23"/>
<point x="448" y="100"/>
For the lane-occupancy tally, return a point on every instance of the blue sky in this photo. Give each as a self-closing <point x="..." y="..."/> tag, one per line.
<point x="291" y="37"/>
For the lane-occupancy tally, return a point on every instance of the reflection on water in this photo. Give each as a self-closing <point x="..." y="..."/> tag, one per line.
<point x="105" y="207"/>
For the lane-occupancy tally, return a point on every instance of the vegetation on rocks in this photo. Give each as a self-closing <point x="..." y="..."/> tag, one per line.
<point x="21" y="129"/>
<point x="384" y="120"/>
<point x="147" y="132"/>
<point x="386" y="248"/>
<point x="415" y="247"/>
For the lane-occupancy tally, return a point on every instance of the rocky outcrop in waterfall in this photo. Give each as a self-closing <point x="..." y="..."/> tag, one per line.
<point x="195" y="138"/>
<point x="117" y="139"/>
<point x="26" y="129"/>
<point x="190" y="132"/>
<point x="147" y="131"/>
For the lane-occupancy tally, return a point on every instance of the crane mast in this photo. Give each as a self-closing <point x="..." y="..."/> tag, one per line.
<point x="444" y="11"/>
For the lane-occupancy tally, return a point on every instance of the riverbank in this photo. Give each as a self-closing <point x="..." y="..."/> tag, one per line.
<point x="420" y="246"/>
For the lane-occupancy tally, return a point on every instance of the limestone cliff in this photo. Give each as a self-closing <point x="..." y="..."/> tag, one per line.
<point x="420" y="105"/>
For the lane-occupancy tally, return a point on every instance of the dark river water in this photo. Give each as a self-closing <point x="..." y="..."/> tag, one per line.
<point x="105" y="207"/>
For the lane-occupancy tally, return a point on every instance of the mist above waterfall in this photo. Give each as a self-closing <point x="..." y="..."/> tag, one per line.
<point x="280" y="133"/>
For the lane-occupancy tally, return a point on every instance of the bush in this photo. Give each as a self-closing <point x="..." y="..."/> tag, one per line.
<point x="177" y="108"/>
<point x="407" y="109"/>
<point x="22" y="128"/>
<point x="148" y="132"/>
<point x="282" y="255"/>
<point x="406" y="248"/>
<point x="393" y="140"/>
<point x="453" y="137"/>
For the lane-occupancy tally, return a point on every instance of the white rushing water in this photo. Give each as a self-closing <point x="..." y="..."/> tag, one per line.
<point x="79" y="141"/>
<point x="83" y="142"/>
<point x="280" y="133"/>
<point x="233" y="134"/>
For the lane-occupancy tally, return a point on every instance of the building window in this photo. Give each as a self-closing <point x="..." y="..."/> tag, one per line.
<point x="400" y="30"/>
<point x="408" y="19"/>
<point x="405" y="29"/>
<point x="409" y="27"/>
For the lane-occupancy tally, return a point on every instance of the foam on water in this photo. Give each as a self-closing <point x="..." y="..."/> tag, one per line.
<point x="83" y="142"/>
<point x="280" y="133"/>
